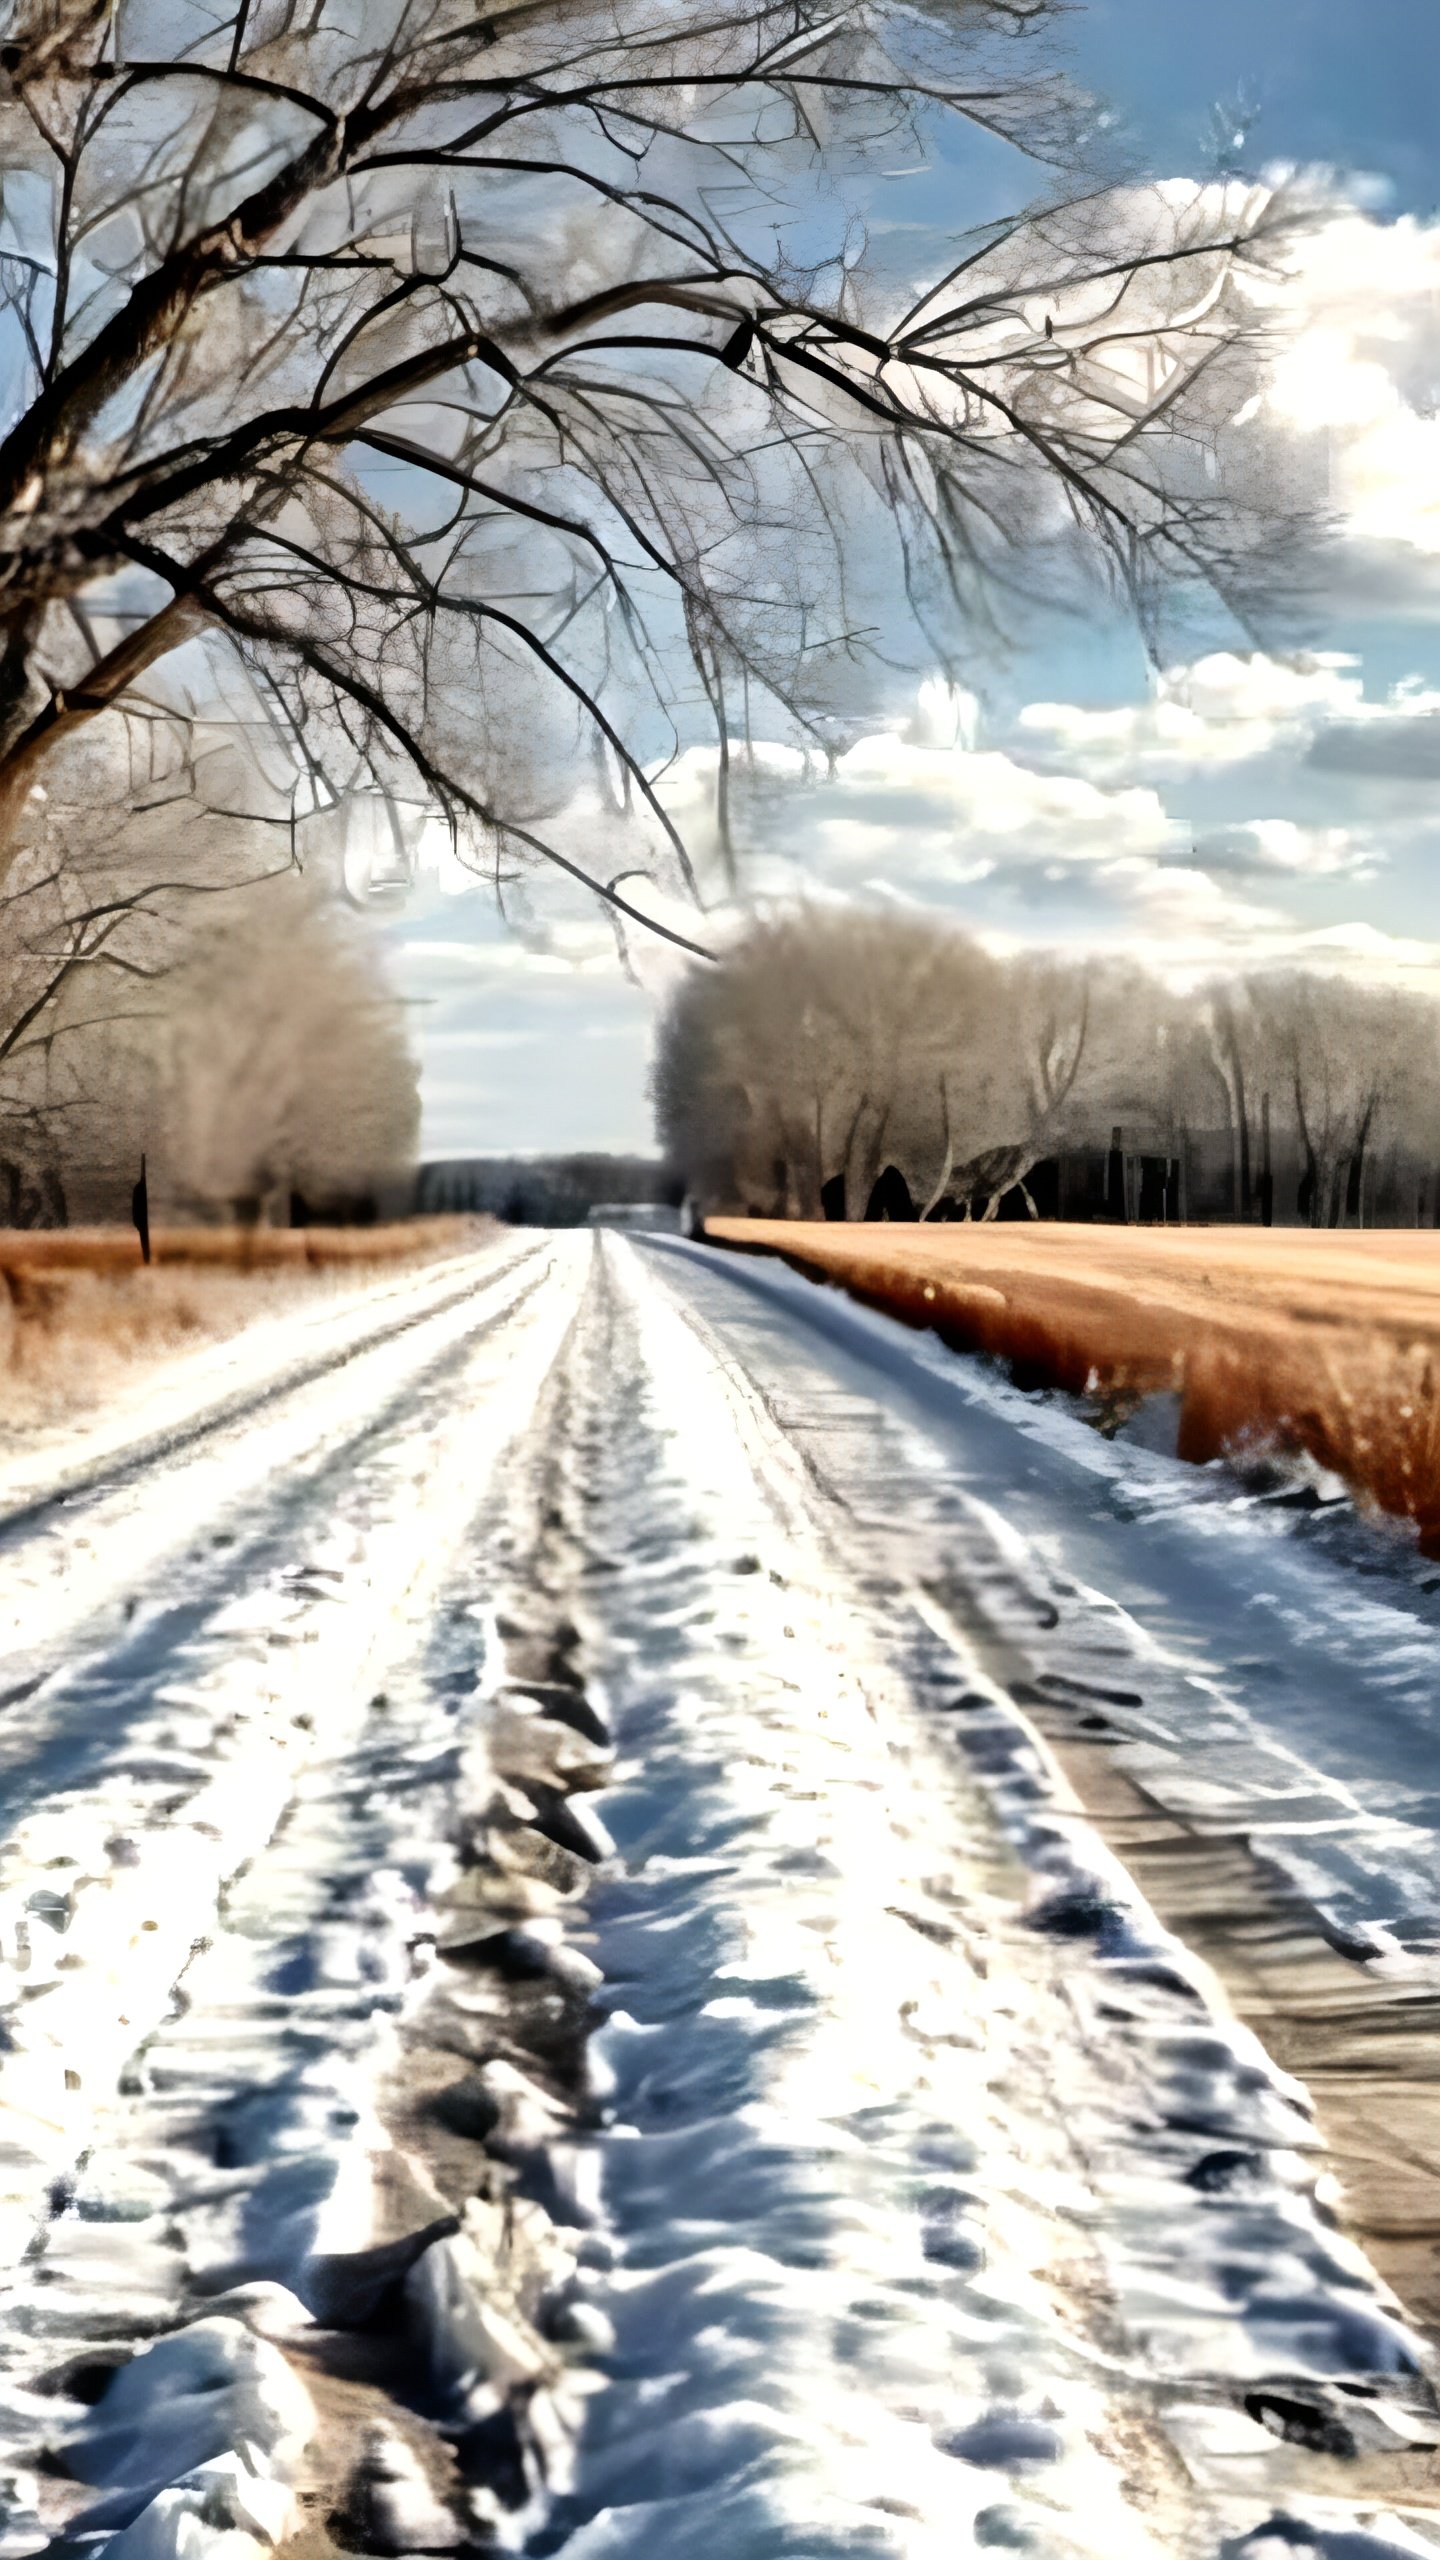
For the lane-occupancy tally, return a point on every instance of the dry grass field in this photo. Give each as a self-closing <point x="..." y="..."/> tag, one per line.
<point x="80" y="1314"/>
<point x="1272" y="1339"/>
<point x="112" y="1250"/>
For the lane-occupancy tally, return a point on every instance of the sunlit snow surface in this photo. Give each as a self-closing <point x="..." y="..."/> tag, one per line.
<point x="847" y="2087"/>
<point x="934" y="2203"/>
<point x="1290" y="1651"/>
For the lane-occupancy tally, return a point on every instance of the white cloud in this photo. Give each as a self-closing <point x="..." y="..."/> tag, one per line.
<point x="567" y="952"/>
<point x="1280" y="847"/>
<point x="1359" y="371"/>
<point x="979" y="801"/>
<point x="1363" y="946"/>
<point x="924" y="813"/>
<point x="1355" y="949"/>
<point x="927" y="812"/>
<point x="1228" y="710"/>
<point x="1186" y="905"/>
<point x="921" y="807"/>
<point x="1186" y="949"/>
<point x="1354" y="316"/>
<point x="1223" y="709"/>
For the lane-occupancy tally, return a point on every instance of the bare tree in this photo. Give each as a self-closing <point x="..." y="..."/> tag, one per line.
<point x="145" y="974"/>
<point x="70" y="950"/>
<point x="1357" y="1066"/>
<point x="831" y="1046"/>
<point x="754" y="1079"/>
<point x="104" y="898"/>
<point x="1277" y="1068"/>
<point x="1042" y="1031"/>
<point x="284" y="1063"/>
<point x="444" y="368"/>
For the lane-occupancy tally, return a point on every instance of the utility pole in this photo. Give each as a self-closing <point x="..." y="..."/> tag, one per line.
<point x="140" y="1212"/>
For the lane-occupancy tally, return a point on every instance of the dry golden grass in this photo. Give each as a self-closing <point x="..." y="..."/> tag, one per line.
<point x="112" y="1249"/>
<point x="1283" y="1340"/>
<point x="81" y="1316"/>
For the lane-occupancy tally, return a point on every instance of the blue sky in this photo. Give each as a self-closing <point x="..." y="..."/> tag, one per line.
<point x="1233" y="810"/>
<point x="1352" y="82"/>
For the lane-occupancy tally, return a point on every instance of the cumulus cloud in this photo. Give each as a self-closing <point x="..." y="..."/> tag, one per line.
<point x="1203" y="722"/>
<point x="1224" y="709"/>
<point x="930" y="813"/>
<point x="925" y="810"/>
<point x="1368" y="949"/>
<point x="1053" y="825"/>
<point x="1185" y="906"/>
<point x="975" y="803"/>
<point x="1282" y="848"/>
<point x="1360" y="950"/>
<point x="1188" y="947"/>
<point x="1360" y="372"/>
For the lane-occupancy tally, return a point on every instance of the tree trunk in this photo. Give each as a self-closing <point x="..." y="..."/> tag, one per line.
<point x="847" y="1158"/>
<point x="1355" y="1192"/>
<point x="1308" y="1203"/>
<point x="948" y="1164"/>
<point x="1240" y="1127"/>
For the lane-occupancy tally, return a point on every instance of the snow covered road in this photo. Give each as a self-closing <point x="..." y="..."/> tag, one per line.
<point x="556" y="1997"/>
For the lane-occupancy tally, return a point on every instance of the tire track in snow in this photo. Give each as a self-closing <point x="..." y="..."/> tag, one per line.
<point x="1144" y="1654"/>
<point x="106" y="1887"/>
<point x="244" y="2171"/>
<point x="1272" y="1669"/>
<point x="835" y="2246"/>
<point x="128" y="1667"/>
<point x="195" y="1393"/>
<point x="74" y="1559"/>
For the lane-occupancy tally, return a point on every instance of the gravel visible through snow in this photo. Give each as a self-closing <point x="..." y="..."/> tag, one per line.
<point x="555" y="1999"/>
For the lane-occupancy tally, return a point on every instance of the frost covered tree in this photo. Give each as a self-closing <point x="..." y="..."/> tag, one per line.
<point x="831" y="1045"/>
<point x="1354" y="1069"/>
<point x="104" y="898"/>
<point x="283" y="1064"/>
<point x="503" y="390"/>
<point x="122" y="865"/>
<point x="242" y="1037"/>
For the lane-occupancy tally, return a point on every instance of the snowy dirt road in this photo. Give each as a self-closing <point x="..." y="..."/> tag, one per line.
<point x="558" y="1995"/>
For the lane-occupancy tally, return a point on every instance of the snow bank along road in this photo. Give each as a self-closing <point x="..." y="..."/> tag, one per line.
<point x="558" y="1995"/>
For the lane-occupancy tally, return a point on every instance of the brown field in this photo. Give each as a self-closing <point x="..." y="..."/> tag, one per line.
<point x="112" y="1249"/>
<point x="1273" y="1340"/>
<point x="80" y="1315"/>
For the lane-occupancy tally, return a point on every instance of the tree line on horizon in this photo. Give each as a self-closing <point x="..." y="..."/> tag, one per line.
<point x="848" y="1063"/>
